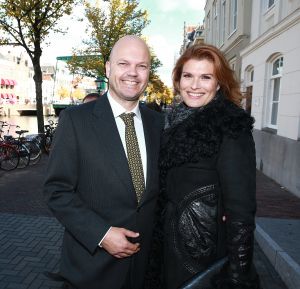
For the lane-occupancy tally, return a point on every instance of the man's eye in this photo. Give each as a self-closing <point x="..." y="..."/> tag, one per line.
<point x="122" y="63"/>
<point x="143" y="66"/>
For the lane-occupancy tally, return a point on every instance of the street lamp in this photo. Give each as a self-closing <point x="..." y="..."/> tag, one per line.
<point x="100" y="84"/>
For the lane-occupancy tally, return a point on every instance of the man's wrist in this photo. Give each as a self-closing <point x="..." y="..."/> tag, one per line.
<point x="100" y="243"/>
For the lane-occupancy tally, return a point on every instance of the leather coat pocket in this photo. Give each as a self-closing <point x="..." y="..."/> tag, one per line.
<point x="195" y="228"/>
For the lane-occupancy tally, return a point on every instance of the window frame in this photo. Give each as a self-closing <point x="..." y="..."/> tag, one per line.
<point x="222" y="22"/>
<point x="215" y="28"/>
<point x="274" y="83"/>
<point x="233" y="16"/>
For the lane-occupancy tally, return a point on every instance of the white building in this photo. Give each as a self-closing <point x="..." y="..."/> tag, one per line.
<point x="271" y="71"/>
<point x="227" y="26"/>
<point x="16" y="76"/>
<point x="17" y="85"/>
<point x="261" y="41"/>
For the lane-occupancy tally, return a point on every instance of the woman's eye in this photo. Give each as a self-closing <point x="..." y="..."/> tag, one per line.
<point x="186" y="75"/>
<point x="206" y="77"/>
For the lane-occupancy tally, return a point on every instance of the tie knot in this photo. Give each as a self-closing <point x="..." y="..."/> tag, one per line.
<point x="127" y="118"/>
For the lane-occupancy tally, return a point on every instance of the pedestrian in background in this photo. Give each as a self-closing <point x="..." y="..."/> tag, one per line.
<point x="90" y="97"/>
<point x="208" y="171"/>
<point x="102" y="177"/>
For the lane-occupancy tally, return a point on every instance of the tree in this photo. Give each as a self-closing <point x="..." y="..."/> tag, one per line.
<point x="157" y="90"/>
<point x="27" y="24"/>
<point x="106" y="26"/>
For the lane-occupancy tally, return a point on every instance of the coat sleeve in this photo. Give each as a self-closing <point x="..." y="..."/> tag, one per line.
<point x="237" y="173"/>
<point x="86" y="226"/>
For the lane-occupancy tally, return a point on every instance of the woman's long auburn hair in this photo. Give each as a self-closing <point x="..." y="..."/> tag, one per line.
<point x="224" y="74"/>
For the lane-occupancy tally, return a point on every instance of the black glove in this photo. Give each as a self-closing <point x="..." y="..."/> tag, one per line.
<point x="239" y="272"/>
<point x="225" y="280"/>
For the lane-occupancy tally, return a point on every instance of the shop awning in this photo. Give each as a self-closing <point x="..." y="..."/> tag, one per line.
<point x="5" y="81"/>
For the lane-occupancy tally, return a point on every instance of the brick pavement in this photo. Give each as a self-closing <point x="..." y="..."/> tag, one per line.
<point x="275" y="201"/>
<point x="29" y="246"/>
<point x="30" y="237"/>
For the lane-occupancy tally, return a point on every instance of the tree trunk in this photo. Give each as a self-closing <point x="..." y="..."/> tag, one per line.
<point x="38" y="79"/>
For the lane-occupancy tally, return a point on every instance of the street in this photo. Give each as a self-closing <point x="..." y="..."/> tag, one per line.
<point x="30" y="237"/>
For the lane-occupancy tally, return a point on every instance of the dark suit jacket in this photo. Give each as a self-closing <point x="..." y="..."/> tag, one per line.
<point x="89" y="188"/>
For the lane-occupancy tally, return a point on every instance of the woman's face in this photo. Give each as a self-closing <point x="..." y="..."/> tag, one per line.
<point x="198" y="83"/>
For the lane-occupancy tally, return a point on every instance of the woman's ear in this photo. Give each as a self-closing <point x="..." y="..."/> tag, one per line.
<point x="218" y="87"/>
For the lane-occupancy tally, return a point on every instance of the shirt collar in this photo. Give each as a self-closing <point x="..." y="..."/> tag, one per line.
<point x="118" y="109"/>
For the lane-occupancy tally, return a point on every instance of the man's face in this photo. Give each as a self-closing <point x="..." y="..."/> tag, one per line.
<point x="128" y="70"/>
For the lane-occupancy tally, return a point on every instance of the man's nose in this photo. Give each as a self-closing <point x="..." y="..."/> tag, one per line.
<point x="132" y="70"/>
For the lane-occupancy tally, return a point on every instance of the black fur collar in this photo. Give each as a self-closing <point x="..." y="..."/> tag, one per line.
<point x="200" y="135"/>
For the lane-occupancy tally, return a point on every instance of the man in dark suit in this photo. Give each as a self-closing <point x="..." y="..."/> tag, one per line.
<point x="91" y="185"/>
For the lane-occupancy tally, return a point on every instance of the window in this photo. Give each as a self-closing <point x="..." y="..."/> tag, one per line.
<point x="267" y="4"/>
<point x="270" y="3"/>
<point x="232" y="63"/>
<point x="233" y="15"/>
<point x="249" y="77"/>
<point x="215" y="9"/>
<point x="207" y="29"/>
<point x="215" y="23"/>
<point x="208" y="21"/>
<point x="222" y="22"/>
<point x="274" y="92"/>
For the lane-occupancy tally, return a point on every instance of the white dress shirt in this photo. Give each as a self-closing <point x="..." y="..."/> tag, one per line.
<point x="117" y="110"/>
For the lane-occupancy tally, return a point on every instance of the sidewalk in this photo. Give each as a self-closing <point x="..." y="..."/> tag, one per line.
<point x="30" y="238"/>
<point x="278" y="229"/>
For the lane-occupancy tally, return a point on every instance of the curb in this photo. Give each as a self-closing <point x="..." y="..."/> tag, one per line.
<point x="285" y="266"/>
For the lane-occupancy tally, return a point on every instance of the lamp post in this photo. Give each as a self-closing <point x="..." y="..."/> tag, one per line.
<point x="100" y="84"/>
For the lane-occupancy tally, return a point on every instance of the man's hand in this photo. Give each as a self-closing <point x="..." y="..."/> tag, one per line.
<point x="117" y="244"/>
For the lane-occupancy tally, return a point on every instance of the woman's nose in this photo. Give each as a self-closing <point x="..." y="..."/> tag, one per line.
<point x="196" y="83"/>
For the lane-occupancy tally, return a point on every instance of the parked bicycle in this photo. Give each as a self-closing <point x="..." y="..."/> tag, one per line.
<point x="9" y="156"/>
<point x="49" y="134"/>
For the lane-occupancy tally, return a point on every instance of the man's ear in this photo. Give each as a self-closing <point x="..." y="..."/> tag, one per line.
<point x="107" y="69"/>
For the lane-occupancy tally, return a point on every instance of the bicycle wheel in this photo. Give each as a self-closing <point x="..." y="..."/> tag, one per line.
<point x="24" y="157"/>
<point x="9" y="158"/>
<point x="35" y="151"/>
<point x="48" y="142"/>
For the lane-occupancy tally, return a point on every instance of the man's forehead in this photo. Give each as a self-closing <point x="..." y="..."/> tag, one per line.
<point x="127" y="46"/>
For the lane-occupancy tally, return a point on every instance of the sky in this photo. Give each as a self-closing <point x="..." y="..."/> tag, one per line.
<point x="164" y="33"/>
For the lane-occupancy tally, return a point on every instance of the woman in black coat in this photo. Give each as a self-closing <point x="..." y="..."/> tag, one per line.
<point x="207" y="205"/>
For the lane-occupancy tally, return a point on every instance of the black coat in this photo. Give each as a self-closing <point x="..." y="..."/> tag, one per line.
<point x="89" y="188"/>
<point x="207" y="172"/>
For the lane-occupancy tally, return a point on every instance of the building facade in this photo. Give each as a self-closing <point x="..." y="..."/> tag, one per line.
<point x="271" y="73"/>
<point x="227" y="26"/>
<point x="18" y="87"/>
<point x="15" y="74"/>
<point x="260" y="39"/>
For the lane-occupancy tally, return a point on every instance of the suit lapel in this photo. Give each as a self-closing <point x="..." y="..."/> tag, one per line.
<point x="108" y="134"/>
